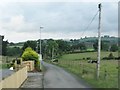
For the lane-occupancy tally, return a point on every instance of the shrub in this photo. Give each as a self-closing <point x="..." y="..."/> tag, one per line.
<point x="30" y="54"/>
<point x="105" y="58"/>
<point x="88" y="58"/>
<point x="83" y="58"/>
<point x="117" y="58"/>
<point x="111" y="56"/>
<point x="114" y="48"/>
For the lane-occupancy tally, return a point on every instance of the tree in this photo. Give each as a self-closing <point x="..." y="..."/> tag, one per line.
<point x="32" y="44"/>
<point x="4" y="48"/>
<point x="30" y="54"/>
<point x="63" y="45"/>
<point x="53" y="48"/>
<point x="11" y="43"/>
<point x="104" y="46"/>
<point x="82" y="46"/>
<point x="95" y="45"/>
<point x="111" y="56"/>
<point x="114" y="48"/>
<point x="14" y="51"/>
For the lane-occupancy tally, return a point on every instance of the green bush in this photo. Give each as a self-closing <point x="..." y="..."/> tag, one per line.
<point x="111" y="56"/>
<point x="30" y="54"/>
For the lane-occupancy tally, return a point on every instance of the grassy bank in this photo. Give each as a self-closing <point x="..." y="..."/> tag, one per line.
<point x="5" y="61"/>
<point x="108" y="70"/>
<point x="3" y="66"/>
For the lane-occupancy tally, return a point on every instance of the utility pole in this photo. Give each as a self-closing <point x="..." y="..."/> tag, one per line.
<point x="99" y="42"/>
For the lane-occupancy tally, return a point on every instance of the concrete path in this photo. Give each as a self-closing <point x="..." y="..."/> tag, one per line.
<point x="34" y="80"/>
<point x="56" y="77"/>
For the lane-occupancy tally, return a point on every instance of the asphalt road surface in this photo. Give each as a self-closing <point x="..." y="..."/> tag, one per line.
<point x="5" y="73"/>
<point x="56" y="77"/>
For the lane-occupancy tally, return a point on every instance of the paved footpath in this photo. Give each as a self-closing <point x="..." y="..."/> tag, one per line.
<point x="34" y="80"/>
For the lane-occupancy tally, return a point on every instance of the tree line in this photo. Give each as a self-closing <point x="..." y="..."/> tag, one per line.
<point x="55" y="48"/>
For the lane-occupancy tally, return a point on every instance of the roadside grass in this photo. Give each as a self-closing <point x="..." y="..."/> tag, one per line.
<point x="5" y="61"/>
<point x="108" y="70"/>
<point x="3" y="66"/>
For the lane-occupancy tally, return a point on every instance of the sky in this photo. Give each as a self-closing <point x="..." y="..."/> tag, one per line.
<point x="21" y="20"/>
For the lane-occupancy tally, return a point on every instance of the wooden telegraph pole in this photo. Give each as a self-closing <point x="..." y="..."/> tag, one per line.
<point x="99" y="42"/>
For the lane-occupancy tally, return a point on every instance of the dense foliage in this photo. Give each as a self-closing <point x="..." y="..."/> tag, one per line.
<point x="30" y="54"/>
<point x="31" y="44"/>
<point x="56" y="48"/>
<point x="4" y="48"/>
<point x="14" y="51"/>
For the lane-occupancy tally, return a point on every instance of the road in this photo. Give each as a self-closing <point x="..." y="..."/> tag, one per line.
<point x="5" y="73"/>
<point x="56" y="77"/>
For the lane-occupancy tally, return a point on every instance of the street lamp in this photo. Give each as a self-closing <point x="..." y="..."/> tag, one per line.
<point x="37" y="46"/>
<point x="40" y="54"/>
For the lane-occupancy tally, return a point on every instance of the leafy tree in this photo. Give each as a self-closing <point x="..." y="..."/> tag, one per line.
<point x="30" y="54"/>
<point x="95" y="45"/>
<point x="4" y="48"/>
<point x="114" y="48"/>
<point x="104" y="46"/>
<point x="32" y="44"/>
<point x="11" y="43"/>
<point x="52" y="47"/>
<point x="63" y="45"/>
<point x="14" y="51"/>
<point x="82" y="46"/>
<point x="111" y="56"/>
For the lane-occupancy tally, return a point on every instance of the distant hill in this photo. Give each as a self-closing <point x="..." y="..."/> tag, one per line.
<point x="20" y="44"/>
<point x="93" y="39"/>
<point x="87" y="40"/>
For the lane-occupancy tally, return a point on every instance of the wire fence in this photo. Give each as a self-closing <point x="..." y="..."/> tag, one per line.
<point x="108" y="74"/>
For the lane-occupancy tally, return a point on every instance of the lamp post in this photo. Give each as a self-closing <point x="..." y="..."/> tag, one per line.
<point x="37" y="46"/>
<point x="40" y="54"/>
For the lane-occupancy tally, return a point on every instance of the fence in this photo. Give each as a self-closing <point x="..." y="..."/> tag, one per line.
<point x="15" y="80"/>
<point x="88" y="70"/>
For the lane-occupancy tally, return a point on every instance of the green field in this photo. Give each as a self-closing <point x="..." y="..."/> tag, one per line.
<point x="108" y="70"/>
<point x="93" y="55"/>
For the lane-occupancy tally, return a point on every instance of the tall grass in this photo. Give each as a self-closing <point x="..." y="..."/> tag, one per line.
<point x="87" y="71"/>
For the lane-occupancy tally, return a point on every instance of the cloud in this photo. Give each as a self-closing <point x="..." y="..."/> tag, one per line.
<point x="59" y="19"/>
<point x="17" y="24"/>
<point x="15" y="37"/>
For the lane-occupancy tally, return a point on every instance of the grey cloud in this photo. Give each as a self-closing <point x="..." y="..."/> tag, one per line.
<point x="63" y="17"/>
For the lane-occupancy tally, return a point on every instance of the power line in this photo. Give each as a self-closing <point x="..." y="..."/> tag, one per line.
<point x="89" y="23"/>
